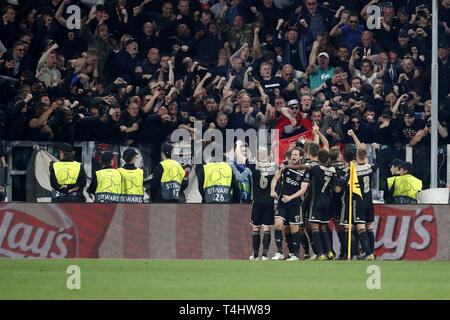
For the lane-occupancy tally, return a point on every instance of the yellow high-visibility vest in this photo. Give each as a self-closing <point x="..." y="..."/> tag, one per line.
<point x="109" y="185"/>
<point x="406" y="186"/>
<point x="132" y="185"/>
<point x="67" y="172"/>
<point x="217" y="185"/>
<point x="172" y="177"/>
<point x="390" y="181"/>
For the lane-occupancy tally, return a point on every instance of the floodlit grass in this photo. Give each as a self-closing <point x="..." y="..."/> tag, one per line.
<point x="222" y="279"/>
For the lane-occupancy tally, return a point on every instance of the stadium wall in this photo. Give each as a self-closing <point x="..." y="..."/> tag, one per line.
<point x="192" y="231"/>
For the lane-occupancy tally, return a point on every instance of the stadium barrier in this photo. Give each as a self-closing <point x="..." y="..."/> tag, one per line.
<point x="435" y="196"/>
<point x="27" y="176"/>
<point x="192" y="231"/>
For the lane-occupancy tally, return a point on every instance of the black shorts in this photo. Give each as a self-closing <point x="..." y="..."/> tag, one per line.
<point x="367" y="207"/>
<point x="319" y="214"/>
<point x="263" y="214"/>
<point x="336" y="207"/>
<point x="358" y="213"/>
<point x="276" y="212"/>
<point x="304" y="212"/>
<point x="290" y="214"/>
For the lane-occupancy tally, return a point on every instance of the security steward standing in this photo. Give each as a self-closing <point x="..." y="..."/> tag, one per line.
<point x="405" y="187"/>
<point x="67" y="177"/>
<point x="132" y="179"/>
<point x="168" y="176"/>
<point x="106" y="183"/>
<point x="394" y="167"/>
<point x="216" y="183"/>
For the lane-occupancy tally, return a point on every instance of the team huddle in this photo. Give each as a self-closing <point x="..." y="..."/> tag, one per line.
<point x="307" y="192"/>
<point x="299" y="198"/>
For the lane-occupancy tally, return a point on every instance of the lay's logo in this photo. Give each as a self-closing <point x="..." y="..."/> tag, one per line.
<point x="24" y="236"/>
<point x="405" y="234"/>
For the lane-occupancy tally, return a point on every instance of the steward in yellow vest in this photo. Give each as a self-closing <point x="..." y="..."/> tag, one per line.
<point x="167" y="181"/>
<point x="106" y="183"/>
<point x="216" y="183"/>
<point x="67" y="177"/>
<point x="132" y="179"/>
<point x="404" y="188"/>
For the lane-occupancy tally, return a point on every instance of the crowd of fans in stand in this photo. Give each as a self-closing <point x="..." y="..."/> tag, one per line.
<point x="137" y="70"/>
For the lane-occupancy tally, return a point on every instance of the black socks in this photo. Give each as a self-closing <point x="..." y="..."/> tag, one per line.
<point x="326" y="242"/>
<point x="305" y="242"/>
<point x="289" y="242"/>
<point x="266" y="242"/>
<point x="316" y="242"/>
<point x="296" y="243"/>
<point x="371" y="240"/>
<point x="256" y="243"/>
<point x="279" y="240"/>
<point x="364" y="241"/>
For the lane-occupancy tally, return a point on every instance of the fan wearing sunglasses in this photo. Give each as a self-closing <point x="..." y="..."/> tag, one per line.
<point x="291" y="122"/>
<point x="359" y="127"/>
<point x="15" y="61"/>
<point x="349" y="29"/>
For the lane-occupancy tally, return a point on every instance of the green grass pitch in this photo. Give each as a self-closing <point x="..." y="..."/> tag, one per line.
<point x="222" y="279"/>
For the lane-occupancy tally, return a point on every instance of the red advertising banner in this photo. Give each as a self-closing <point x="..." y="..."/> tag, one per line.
<point x="192" y="231"/>
<point x="31" y="230"/>
<point x="405" y="234"/>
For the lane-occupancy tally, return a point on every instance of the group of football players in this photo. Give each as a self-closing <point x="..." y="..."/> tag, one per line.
<point x="306" y="194"/>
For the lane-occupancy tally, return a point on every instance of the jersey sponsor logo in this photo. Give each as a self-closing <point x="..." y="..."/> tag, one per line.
<point x="292" y="181"/>
<point x="405" y="234"/>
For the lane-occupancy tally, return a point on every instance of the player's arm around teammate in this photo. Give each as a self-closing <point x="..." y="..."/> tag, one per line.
<point x="279" y="223"/>
<point x="273" y="194"/>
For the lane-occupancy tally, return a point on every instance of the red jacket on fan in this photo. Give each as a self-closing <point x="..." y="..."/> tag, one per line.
<point x="301" y="126"/>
